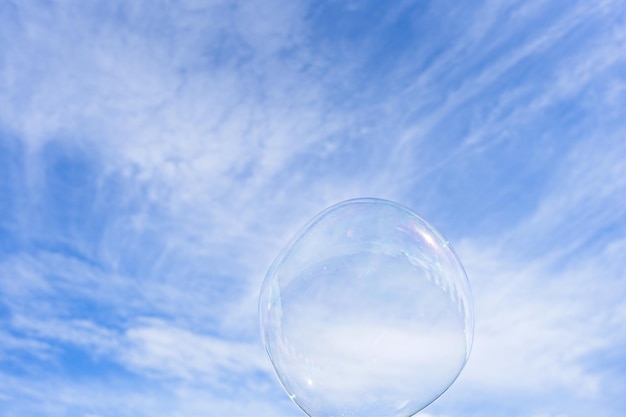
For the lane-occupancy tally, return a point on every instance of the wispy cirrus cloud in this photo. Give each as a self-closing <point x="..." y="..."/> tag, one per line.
<point x="549" y="291"/>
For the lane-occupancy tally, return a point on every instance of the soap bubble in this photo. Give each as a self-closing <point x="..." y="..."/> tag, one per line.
<point x="367" y="312"/>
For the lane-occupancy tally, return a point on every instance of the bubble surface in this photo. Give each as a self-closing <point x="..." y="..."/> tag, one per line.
<point x="367" y="312"/>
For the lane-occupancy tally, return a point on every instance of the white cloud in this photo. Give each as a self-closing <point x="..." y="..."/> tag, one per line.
<point x="97" y="340"/>
<point x="160" y="348"/>
<point x="549" y="292"/>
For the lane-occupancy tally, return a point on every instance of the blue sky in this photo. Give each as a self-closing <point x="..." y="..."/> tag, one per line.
<point x="155" y="157"/>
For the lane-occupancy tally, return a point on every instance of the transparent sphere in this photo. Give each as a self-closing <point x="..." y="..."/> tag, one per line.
<point x="367" y="312"/>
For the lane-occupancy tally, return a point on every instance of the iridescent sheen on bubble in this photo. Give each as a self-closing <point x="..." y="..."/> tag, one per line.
<point x="367" y="312"/>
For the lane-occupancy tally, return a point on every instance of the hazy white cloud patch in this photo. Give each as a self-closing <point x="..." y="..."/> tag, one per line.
<point x="161" y="348"/>
<point x="538" y="290"/>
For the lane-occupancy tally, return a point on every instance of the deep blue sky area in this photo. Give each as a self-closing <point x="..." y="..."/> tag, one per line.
<point x="155" y="156"/>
